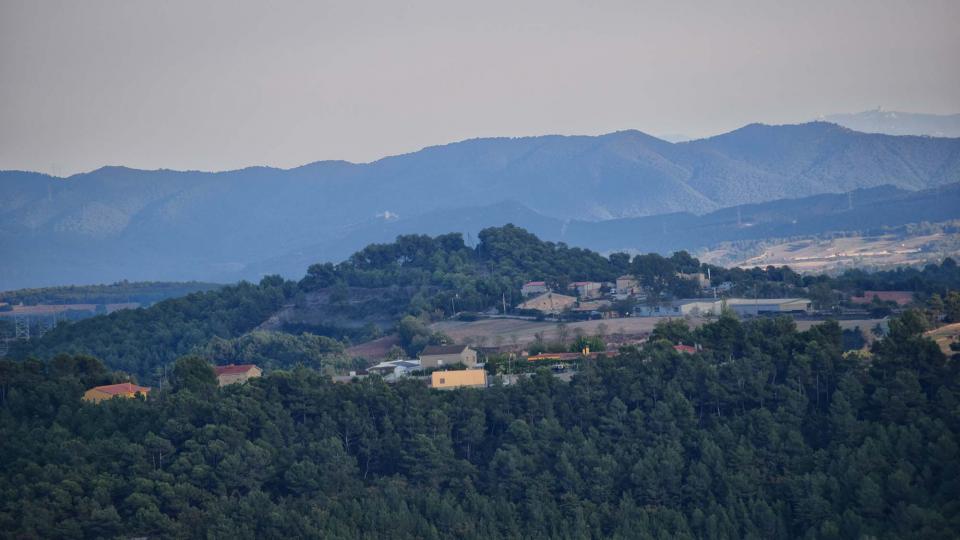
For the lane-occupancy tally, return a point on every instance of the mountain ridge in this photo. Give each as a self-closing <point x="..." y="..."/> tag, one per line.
<point x="118" y="219"/>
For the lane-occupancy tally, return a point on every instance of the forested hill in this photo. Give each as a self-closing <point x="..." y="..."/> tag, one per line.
<point x="768" y="433"/>
<point x="421" y="276"/>
<point x="144" y="293"/>
<point x="118" y="223"/>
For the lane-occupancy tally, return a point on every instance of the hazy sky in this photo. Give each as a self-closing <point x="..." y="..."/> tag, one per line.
<point x="219" y="85"/>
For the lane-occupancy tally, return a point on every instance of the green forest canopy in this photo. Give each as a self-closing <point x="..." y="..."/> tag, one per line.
<point x="767" y="433"/>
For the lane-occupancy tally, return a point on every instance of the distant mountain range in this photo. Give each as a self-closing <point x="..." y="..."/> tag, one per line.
<point x="899" y="123"/>
<point x="117" y="223"/>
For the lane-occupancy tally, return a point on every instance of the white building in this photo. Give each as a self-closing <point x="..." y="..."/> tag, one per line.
<point x="394" y="369"/>
<point x="702" y="307"/>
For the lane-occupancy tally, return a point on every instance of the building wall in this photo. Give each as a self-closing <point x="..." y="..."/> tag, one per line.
<point x="458" y="379"/>
<point x="745" y="307"/>
<point x="467" y="357"/>
<point x="626" y="285"/>
<point x="233" y="378"/>
<point x="96" y="396"/>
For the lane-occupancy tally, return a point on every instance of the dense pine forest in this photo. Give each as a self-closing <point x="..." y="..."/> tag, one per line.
<point x="767" y="433"/>
<point x="144" y="292"/>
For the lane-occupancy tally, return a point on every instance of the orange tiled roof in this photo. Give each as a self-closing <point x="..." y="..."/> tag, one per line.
<point x="232" y="369"/>
<point x="122" y="388"/>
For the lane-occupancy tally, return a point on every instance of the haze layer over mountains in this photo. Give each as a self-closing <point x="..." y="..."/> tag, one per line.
<point x="118" y="223"/>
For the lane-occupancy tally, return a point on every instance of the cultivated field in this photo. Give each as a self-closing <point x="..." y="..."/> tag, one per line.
<point x="833" y="254"/>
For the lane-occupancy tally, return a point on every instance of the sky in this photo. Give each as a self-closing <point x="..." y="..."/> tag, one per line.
<point x="218" y="85"/>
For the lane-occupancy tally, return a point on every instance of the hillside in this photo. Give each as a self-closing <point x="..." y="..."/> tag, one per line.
<point x="118" y="223"/>
<point x="372" y="291"/>
<point x="861" y="210"/>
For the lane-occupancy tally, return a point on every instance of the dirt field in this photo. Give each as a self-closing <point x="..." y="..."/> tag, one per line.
<point x="824" y="255"/>
<point x="944" y="336"/>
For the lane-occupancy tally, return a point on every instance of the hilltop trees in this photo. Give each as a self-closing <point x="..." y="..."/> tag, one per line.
<point x="428" y="279"/>
<point x="193" y="374"/>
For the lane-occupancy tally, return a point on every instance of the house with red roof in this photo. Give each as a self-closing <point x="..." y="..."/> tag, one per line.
<point x="110" y="391"/>
<point x="534" y="287"/>
<point x="236" y="373"/>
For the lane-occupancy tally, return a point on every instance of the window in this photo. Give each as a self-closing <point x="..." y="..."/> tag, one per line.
<point x="442" y="380"/>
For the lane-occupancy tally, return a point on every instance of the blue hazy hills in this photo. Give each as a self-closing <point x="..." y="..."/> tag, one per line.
<point x="623" y="190"/>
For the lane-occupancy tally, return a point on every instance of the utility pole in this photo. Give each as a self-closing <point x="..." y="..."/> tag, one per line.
<point x="21" y="328"/>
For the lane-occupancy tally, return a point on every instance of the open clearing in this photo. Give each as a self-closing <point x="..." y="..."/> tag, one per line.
<point x="833" y="254"/>
<point x="944" y="336"/>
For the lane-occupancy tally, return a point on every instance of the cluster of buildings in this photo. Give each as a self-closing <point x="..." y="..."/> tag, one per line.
<point x="226" y="375"/>
<point x="588" y="298"/>
<point x="433" y="357"/>
<point x="582" y="296"/>
<point x="745" y="307"/>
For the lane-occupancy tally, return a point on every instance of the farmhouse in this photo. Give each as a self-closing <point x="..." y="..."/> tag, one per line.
<point x="110" y="391"/>
<point x="434" y="356"/>
<point x="232" y="374"/>
<point x="585" y="289"/>
<point x="533" y="287"/>
<point x="627" y="284"/>
<point x="552" y="303"/>
<point x="465" y="378"/>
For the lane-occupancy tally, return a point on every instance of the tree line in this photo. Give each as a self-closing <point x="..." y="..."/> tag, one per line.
<point x="768" y="432"/>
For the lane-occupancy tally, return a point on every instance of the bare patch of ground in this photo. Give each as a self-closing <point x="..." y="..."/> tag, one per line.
<point x="833" y="254"/>
<point x="944" y="336"/>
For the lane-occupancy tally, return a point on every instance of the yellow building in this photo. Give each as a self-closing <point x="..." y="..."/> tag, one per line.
<point x="466" y="378"/>
<point x="231" y="374"/>
<point x="110" y="391"/>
